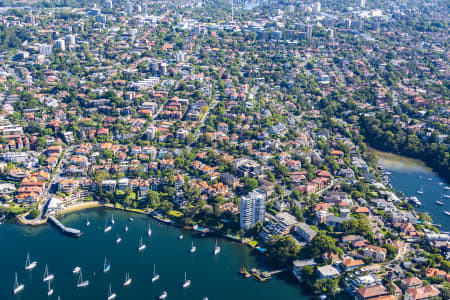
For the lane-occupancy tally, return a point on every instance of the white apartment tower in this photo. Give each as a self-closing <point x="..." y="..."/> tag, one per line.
<point x="362" y="3"/>
<point x="253" y="209"/>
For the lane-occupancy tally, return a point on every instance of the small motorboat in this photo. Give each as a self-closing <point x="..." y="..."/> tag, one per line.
<point x="181" y="237"/>
<point x="447" y="212"/>
<point x="76" y="270"/>
<point x="130" y="219"/>
<point x="440" y="202"/>
<point x="119" y="239"/>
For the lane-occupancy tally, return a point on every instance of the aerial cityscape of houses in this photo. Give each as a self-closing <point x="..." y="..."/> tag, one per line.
<point x="254" y="120"/>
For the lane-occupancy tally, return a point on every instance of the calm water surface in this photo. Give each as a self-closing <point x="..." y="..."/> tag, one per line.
<point x="409" y="176"/>
<point x="216" y="277"/>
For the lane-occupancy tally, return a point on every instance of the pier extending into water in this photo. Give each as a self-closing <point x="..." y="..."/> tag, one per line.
<point x="66" y="230"/>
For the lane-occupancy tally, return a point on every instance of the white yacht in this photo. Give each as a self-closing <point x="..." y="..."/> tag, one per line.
<point x="163" y="295"/>
<point x="216" y="249"/>
<point x="47" y="275"/>
<point x="111" y="295"/>
<point x="28" y="264"/>
<point x="155" y="276"/>
<point x="142" y="246"/>
<point x="80" y="282"/>
<point x="127" y="280"/>
<point x="447" y="212"/>
<point x="187" y="282"/>
<point x="18" y="287"/>
<point x="415" y="201"/>
<point x="76" y="270"/>
<point x="50" y="290"/>
<point x="193" y="248"/>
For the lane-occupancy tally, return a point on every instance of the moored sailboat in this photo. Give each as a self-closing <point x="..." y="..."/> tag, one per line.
<point x="163" y="295"/>
<point x="50" y="290"/>
<point x="80" y="282"/>
<point x="111" y="295"/>
<point x="18" y="287"/>
<point x="216" y="249"/>
<point x="127" y="280"/>
<point x="28" y="264"/>
<point x="47" y="275"/>
<point x="106" y="266"/>
<point x="193" y="248"/>
<point x="107" y="228"/>
<point x="155" y="276"/>
<point x="142" y="246"/>
<point x="187" y="282"/>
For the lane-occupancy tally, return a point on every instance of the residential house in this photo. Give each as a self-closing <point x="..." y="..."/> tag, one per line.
<point x="305" y="232"/>
<point x="422" y="293"/>
<point x="371" y="292"/>
<point x="327" y="271"/>
<point x="377" y="253"/>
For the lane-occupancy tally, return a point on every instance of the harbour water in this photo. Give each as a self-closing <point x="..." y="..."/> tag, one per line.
<point x="214" y="276"/>
<point x="411" y="175"/>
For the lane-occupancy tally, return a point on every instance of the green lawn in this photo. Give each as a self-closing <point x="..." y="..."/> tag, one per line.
<point x="175" y="213"/>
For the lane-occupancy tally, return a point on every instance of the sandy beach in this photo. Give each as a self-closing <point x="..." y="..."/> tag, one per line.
<point x="80" y="206"/>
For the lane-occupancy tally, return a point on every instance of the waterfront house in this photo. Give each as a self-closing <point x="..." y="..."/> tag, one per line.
<point x="371" y="292"/>
<point x="327" y="271"/>
<point x="298" y="265"/>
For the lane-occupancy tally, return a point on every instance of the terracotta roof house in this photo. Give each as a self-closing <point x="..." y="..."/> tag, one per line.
<point x="433" y="272"/>
<point x="371" y="292"/>
<point x="411" y="282"/>
<point x="423" y="292"/>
